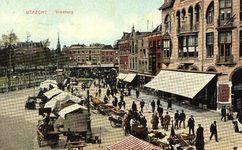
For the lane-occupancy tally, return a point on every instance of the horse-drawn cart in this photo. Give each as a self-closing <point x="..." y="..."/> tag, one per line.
<point x="105" y="109"/>
<point x="96" y="102"/>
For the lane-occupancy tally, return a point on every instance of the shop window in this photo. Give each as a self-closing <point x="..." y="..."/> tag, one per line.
<point x="210" y="45"/>
<point x="188" y="46"/>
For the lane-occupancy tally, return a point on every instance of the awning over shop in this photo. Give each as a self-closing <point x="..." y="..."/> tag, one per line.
<point x="132" y="142"/>
<point x="186" y="84"/>
<point x="121" y="76"/>
<point x="130" y="77"/>
<point x="52" y="92"/>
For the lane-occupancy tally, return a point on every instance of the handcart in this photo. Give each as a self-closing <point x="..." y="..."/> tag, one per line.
<point x="46" y="133"/>
<point x="31" y="103"/>
<point x="115" y="120"/>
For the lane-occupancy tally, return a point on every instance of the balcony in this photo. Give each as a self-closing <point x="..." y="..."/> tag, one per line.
<point x="225" y="60"/>
<point x="166" y="60"/>
<point x="152" y="50"/>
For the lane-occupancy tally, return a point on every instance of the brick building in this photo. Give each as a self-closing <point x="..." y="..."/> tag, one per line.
<point x="205" y="38"/>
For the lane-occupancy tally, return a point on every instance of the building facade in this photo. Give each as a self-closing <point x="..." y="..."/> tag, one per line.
<point x="206" y="37"/>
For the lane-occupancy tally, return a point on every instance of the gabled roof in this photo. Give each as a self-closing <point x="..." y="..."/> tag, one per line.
<point x="167" y="5"/>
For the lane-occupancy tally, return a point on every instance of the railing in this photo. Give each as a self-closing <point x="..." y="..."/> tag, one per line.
<point x="223" y="60"/>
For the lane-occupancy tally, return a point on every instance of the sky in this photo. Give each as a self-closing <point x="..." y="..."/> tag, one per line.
<point x="92" y="21"/>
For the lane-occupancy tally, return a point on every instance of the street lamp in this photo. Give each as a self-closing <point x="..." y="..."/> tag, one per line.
<point x="88" y="82"/>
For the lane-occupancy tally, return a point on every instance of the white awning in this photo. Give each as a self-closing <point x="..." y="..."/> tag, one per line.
<point x="70" y="109"/>
<point x="121" y="76"/>
<point x="186" y="84"/>
<point x="52" y="92"/>
<point x="130" y="77"/>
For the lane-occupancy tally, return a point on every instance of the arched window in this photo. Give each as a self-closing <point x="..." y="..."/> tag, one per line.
<point x="210" y="13"/>
<point x="168" y="23"/>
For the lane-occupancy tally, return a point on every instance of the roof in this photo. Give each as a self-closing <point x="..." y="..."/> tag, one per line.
<point x="133" y="143"/>
<point x="186" y="84"/>
<point x="52" y="92"/>
<point x="70" y="109"/>
<point x="166" y="5"/>
<point x="158" y="28"/>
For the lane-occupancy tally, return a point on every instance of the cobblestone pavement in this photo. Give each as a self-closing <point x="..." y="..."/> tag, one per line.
<point x="18" y="125"/>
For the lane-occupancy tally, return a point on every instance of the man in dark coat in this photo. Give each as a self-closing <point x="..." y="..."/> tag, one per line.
<point x="134" y="107"/>
<point x="200" y="132"/>
<point x="169" y="104"/>
<point x="142" y="104"/>
<point x="182" y="119"/>
<point x="119" y="104"/>
<point x="213" y="130"/>
<point x="158" y="103"/>
<point x="191" y="122"/>
<point x="121" y="97"/>
<point x="124" y="104"/>
<point x="177" y="117"/>
<point x="116" y="101"/>
<point x="129" y="91"/>
<point x="143" y="121"/>
<point x="108" y="92"/>
<point x="99" y="92"/>
<point x="160" y="110"/>
<point x="105" y="99"/>
<point x="223" y="113"/>
<point x="137" y="93"/>
<point x="153" y="106"/>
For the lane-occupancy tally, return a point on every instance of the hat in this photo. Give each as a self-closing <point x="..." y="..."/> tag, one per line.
<point x="199" y="125"/>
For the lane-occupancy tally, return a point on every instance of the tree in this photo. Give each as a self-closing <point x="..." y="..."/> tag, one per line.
<point x="7" y="42"/>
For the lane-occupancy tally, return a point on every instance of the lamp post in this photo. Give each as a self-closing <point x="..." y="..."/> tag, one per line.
<point x="88" y="82"/>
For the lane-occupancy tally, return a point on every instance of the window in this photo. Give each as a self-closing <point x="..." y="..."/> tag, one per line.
<point x="78" y="52"/>
<point x="166" y="48"/>
<point x="90" y="51"/>
<point x="188" y="46"/>
<point x="159" y="44"/>
<point x="142" y="43"/>
<point x="159" y="62"/>
<point x="70" y="52"/>
<point x="209" y="45"/>
<point x="144" y="52"/>
<point x="111" y="53"/>
<point x="106" y="53"/>
<point x="240" y="46"/>
<point x="83" y="52"/>
<point x="102" y="53"/>
<point x="150" y="44"/>
<point x="141" y="54"/>
<point x="102" y="59"/>
<point x="240" y="10"/>
<point x="225" y="8"/>
<point x="225" y="44"/>
<point x="210" y="14"/>
<point x="111" y="59"/>
<point x="86" y="58"/>
<point x="86" y="51"/>
<point x="90" y="58"/>
<point x="154" y="43"/>
<point x="78" y="58"/>
<point x="168" y="23"/>
<point x="106" y="59"/>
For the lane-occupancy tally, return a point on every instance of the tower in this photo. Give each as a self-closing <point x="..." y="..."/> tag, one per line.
<point x="58" y="49"/>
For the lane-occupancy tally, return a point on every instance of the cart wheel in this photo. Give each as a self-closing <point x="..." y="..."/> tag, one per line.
<point x="113" y="124"/>
<point x="39" y="141"/>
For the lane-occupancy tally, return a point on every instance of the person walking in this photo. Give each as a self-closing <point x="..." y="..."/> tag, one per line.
<point x="166" y="121"/>
<point x="108" y="92"/>
<point x="134" y="107"/>
<point x="155" y="122"/>
<point x="169" y="104"/>
<point x="120" y="104"/>
<point x="124" y="104"/>
<point x="160" y="110"/>
<point x="137" y="93"/>
<point x="199" y="139"/>
<point x="182" y="119"/>
<point x="142" y="104"/>
<point x="158" y="103"/>
<point x="153" y="106"/>
<point x="121" y="97"/>
<point x="129" y="91"/>
<point x="213" y="130"/>
<point x="99" y="92"/>
<point x="177" y="117"/>
<point x="126" y="124"/>
<point x="191" y="122"/>
<point x="223" y="113"/>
